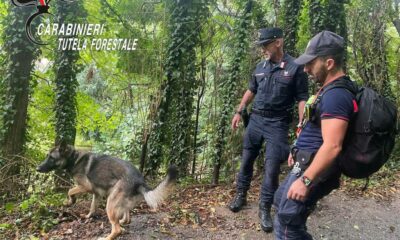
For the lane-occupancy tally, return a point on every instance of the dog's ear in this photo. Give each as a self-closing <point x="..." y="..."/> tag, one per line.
<point x="62" y="146"/>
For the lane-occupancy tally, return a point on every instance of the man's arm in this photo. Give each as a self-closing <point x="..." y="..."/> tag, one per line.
<point x="247" y="98"/>
<point x="301" y="110"/>
<point x="333" y="133"/>
<point x="301" y="91"/>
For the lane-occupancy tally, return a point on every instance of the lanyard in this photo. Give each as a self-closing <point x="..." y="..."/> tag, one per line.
<point x="307" y="111"/>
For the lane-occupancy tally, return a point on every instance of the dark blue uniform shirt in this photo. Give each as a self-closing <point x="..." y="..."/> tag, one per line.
<point x="335" y="103"/>
<point x="277" y="86"/>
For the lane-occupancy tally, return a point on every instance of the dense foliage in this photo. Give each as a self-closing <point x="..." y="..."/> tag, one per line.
<point x="230" y="86"/>
<point x="172" y="99"/>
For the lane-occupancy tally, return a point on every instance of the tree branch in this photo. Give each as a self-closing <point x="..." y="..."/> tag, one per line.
<point x="124" y="22"/>
<point x="396" y="21"/>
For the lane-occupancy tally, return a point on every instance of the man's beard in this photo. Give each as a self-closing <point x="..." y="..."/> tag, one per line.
<point x="320" y="75"/>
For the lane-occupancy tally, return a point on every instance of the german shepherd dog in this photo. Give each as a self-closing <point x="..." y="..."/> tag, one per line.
<point x="104" y="175"/>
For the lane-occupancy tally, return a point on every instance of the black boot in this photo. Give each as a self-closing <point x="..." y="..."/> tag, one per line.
<point x="238" y="201"/>
<point x="265" y="217"/>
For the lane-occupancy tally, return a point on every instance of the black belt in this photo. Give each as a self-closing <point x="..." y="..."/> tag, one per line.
<point x="270" y="113"/>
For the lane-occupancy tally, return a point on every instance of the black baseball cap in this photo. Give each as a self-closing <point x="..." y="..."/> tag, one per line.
<point x="267" y="35"/>
<point x="323" y="44"/>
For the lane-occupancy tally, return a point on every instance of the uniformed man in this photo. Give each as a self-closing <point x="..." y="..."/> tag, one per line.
<point x="315" y="173"/>
<point x="276" y="84"/>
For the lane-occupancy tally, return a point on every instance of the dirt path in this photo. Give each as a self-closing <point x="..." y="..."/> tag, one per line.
<point x="342" y="217"/>
<point x="200" y="213"/>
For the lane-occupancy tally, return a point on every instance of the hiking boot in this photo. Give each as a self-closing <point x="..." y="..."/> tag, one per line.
<point x="238" y="202"/>
<point x="265" y="217"/>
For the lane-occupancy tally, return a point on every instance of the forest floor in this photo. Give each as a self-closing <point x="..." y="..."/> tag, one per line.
<point x="200" y="212"/>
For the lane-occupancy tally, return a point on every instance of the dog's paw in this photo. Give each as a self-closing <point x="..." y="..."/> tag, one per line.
<point x="86" y="218"/>
<point x="69" y="202"/>
<point x="89" y="215"/>
<point x="125" y="221"/>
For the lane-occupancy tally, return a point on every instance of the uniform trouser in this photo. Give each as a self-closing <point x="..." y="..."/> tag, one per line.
<point x="275" y="133"/>
<point x="291" y="217"/>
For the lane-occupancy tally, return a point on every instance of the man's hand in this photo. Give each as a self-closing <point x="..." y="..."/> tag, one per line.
<point x="290" y="160"/>
<point x="298" y="191"/>
<point x="298" y="129"/>
<point x="235" y="121"/>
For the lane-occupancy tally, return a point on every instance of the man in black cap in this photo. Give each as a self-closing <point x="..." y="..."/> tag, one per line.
<point x="276" y="84"/>
<point x="315" y="172"/>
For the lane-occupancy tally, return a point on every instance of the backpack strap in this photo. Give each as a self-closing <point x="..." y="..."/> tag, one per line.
<point x="342" y="82"/>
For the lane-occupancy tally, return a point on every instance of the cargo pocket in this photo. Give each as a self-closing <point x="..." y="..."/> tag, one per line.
<point x="292" y="212"/>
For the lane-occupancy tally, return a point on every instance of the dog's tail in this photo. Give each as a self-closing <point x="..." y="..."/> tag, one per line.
<point x="156" y="196"/>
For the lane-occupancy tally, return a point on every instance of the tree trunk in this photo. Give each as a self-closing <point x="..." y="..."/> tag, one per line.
<point x="369" y="46"/>
<point x="230" y="87"/>
<point x="173" y="129"/>
<point x="65" y="77"/>
<point x="291" y="23"/>
<point x="317" y="16"/>
<point x="21" y="54"/>
<point x="335" y="21"/>
<point x="66" y="68"/>
<point x="396" y="20"/>
<point x="143" y="154"/>
<point x="199" y="98"/>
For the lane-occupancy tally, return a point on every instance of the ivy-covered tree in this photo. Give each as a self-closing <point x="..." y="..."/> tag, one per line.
<point x="20" y="57"/>
<point x="335" y="19"/>
<point x="317" y="16"/>
<point x="66" y="68"/>
<point x="192" y="15"/>
<point x="173" y="127"/>
<point x="396" y="15"/>
<point x="291" y="12"/>
<point x="335" y="16"/>
<point x="328" y="15"/>
<point x="230" y="86"/>
<point x="370" y="52"/>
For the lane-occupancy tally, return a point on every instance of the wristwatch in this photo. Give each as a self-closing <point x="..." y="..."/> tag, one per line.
<point x="239" y="112"/>
<point x="307" y="182"/>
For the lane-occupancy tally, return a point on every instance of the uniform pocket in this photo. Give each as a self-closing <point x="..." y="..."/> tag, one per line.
<point x="260" y="79"/>
<point x="282" y="86"/>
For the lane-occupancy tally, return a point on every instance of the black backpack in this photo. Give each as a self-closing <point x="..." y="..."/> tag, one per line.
<point x="371" y="132"/>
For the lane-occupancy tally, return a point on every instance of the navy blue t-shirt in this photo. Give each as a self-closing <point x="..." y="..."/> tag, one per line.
<point x="335" y="103"/>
